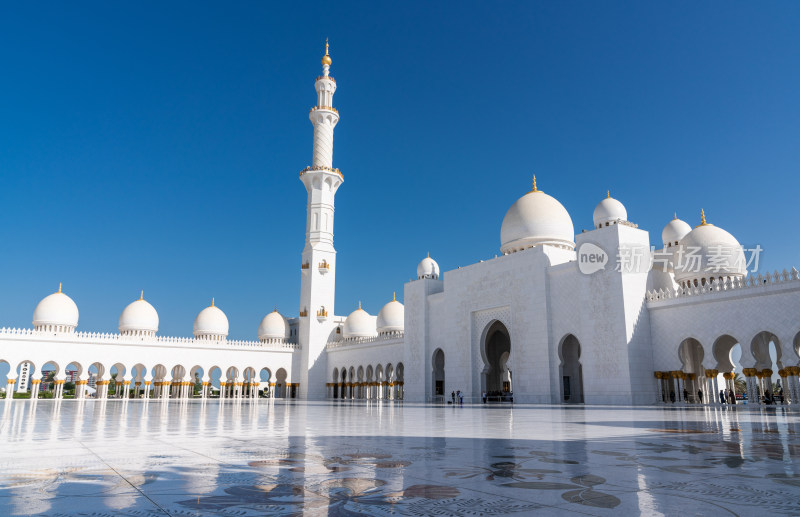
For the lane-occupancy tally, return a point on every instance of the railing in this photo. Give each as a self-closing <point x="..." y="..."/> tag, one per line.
<point x="305" y="266"/>
<point x="103" y="337"/>
<point x="325" y="77"/>
<point x="727" y="284"/>
<point x="381" y="339"/>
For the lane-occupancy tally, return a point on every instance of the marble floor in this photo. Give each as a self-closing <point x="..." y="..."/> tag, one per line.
<point x="184" y="458"/>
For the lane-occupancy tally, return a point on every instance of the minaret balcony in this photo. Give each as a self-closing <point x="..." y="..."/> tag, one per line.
<point x="322" y="168"/>
<point x="304" y="313"/>
<point x="305" y="268"/>
<point x="322" y="314"/>
<point x="328" y="108"/>
<point x="324" y="267"/>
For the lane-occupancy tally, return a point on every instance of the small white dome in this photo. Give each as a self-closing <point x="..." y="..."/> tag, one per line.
<point x="359" y="324"/>
<point x="137" y="317"/>
<point x="273" y="326"/>
<point x="211" y="323"/>
<point x="609" y="210"/>
<point x="718" y="254"/>
<point x="56" y="312"/>
<point x="674" y="231"/>
<point x="535" y="219"/>
<point x="428" y="268"/>
<point x="392" y="317"/>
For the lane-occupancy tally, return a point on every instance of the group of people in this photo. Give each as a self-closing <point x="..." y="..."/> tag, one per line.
<point x="457" y="395"/>
<point x="728" y="396"/>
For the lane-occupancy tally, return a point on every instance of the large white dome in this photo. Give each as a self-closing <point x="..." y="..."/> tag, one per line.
<point x="535" y="219"/>
<point x="56" y="312"/>
<point x="609" y="211"/>
<point x="138" y="317"/>
<point x="674" y="231"/>
<point x="428" y="268"/>
<point x="211" y="323"/>
<point x="273" y="326"/>
<point x="359" y="324"/>
<point x="391" y="318"/>
<point x="718" y="255"/>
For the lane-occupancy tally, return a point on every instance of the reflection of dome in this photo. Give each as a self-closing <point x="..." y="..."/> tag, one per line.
<point x="211" y="324"/>
<point x="359" y="324"/>
<point x="138" y="319"/>
<point x="609" y="211"/>
<point x="273" y="326"/>
<point x="674" y="231"/>
<point x="536" y="219"/>
<point x="392" y="317"/>
<point x="708" y="252"/>
<point x="56" y="313"/>
<point x="428" y="268"/>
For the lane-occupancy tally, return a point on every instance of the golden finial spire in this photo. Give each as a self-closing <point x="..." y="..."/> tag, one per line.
<point x="326" y="59"/>
<point x="608" y="194"/>
<point x="141" y="295"/>
<point x="359" y="304"/>
<point x="276" y="308"/>
<point x="212" y="302"/>
<point x="534" y="184"/>
<point x="676" y="216"/>
<point x="429" y="254"/>
<point x="394" y="296"/>
<point x="59" y="287"/>
<point x="702" y="218"/>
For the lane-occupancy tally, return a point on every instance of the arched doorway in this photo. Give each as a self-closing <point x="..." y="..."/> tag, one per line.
<point x="691" y="355"/>
<point x="766" y="349"/>
<point x="497" y="377"/>
<point x="571" y="370"/>
<point x="438" y="374"/>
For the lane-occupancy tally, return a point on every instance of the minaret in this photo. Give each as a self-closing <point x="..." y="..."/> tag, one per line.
<point x="318" y="269"/>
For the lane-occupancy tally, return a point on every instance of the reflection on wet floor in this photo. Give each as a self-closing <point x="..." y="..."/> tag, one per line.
<point x="290" y="458"/>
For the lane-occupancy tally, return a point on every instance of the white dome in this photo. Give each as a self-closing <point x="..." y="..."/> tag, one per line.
<point x="359" y="324"/>
<point x="428" y="268"/>
<point x="138" y="316"/>
<point x="719" y="255"/>
<point x="608" y="211"/>
<point x="536" y="219"/>
<point x="392" y="317"/>
<point x="211" y="323"/>
<point x="674" y="231"/>
<point x="273" y="326"/>
<point x="54" y="311"/>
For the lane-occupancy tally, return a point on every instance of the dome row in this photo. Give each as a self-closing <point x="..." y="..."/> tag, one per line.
<point x="537" y="218"/>
<point x="360" y="324"/>
<point x="59" y="313"/>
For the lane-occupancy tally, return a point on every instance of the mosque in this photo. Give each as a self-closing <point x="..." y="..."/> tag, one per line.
<point x="597" y="318"/>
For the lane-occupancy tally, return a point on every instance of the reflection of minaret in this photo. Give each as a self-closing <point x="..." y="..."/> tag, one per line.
<point x="318" y="272"/>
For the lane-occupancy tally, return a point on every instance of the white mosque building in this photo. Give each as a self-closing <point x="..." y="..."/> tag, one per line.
<point x="596" y="318"/>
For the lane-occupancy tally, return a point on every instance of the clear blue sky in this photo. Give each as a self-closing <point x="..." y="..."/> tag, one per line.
<point x="157" y="146"/>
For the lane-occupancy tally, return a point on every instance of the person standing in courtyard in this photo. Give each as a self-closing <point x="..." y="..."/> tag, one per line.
<point x="721" y="396"/>
<point x="699" y="396"/>
<point x="483" y="396"/>
<point x="685" y="395"/>
<point x="453" y="397"/>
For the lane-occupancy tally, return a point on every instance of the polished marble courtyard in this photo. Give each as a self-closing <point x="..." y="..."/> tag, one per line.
<point x="263" y="457"/>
